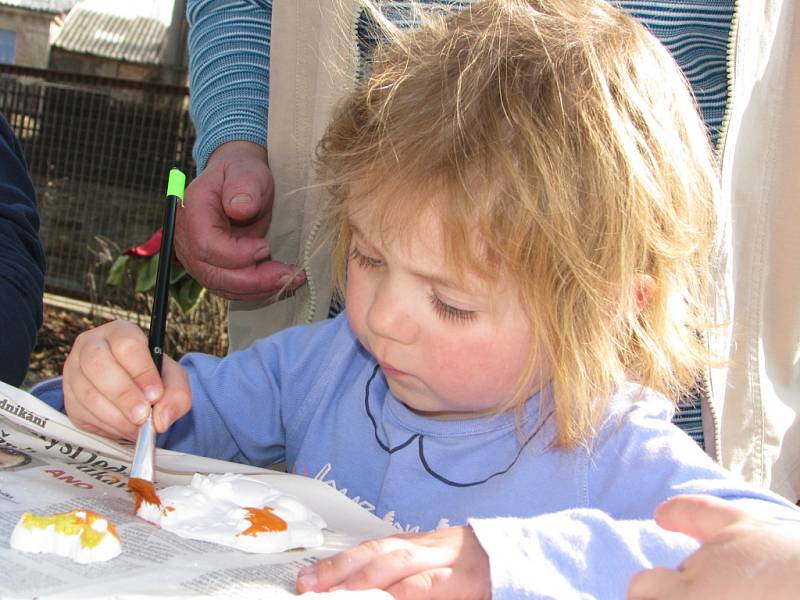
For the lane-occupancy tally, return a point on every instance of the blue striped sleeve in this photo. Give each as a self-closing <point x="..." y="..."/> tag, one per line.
<point x="229" y="42"/>
<point x="697" y="34"/>
<point x="228" y="72"/>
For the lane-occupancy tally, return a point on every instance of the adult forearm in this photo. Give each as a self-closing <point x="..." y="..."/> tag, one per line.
<point x="229" y="72"/>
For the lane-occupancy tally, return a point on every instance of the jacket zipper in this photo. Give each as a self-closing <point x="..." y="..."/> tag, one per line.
<point x="730" y="68"/>
<point x="704" y="384"/>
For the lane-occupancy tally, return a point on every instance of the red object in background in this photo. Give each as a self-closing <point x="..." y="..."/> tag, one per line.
<point x="150" y="247"/>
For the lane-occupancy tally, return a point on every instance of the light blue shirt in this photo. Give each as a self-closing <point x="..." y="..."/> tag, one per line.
<point x="554" y="523"/>
<point x="312" y="397"/>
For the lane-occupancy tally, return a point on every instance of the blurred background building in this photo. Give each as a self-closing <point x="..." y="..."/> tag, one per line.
<point x="96" y="92"/>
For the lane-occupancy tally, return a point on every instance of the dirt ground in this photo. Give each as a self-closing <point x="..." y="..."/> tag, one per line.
<point x="58" y="332"/>
<point x="204" y="330"/>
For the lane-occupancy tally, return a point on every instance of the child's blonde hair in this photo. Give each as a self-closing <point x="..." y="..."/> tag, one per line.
<point x="560" y="148"/>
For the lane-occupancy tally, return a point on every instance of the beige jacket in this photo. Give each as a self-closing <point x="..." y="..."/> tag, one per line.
<point x="312" y="64"/>
<point x="755" y="402"/>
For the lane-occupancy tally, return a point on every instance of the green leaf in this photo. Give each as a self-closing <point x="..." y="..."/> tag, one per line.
<point x="176" y="274"/>
<point x="146" y="279"/>
<point x="117" y="271"/>
<point x="190" y="294"/>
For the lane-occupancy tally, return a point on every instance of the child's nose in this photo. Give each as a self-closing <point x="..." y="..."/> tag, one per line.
<point x="390" y="316"/>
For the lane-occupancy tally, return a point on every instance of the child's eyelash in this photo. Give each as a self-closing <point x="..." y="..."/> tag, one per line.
<point x="442" y="309"/>
<point x="450" y="313"/>
<point x="366" y="262"/>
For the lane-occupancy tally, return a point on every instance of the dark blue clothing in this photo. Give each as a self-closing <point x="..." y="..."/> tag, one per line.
<point x="22" y="262"/>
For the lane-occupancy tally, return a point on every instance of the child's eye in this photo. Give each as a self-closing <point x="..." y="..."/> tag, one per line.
<point x="364" y="261"/>
<point x="450" y="313"/>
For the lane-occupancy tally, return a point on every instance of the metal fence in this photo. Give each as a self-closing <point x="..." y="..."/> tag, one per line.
<point x="99" y="151"/>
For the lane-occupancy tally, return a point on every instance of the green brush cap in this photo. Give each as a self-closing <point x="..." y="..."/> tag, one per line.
<point x="177" y="183"/>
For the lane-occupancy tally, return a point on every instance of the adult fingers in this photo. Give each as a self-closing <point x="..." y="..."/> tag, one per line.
<point x="255" y="282"/>
<point x="205" y="234"/>
<point x="232" y="248"/>
<point x="654" y="584"/>
<point x="177" y="398"/>
<point x="248" y="190"/>
<point x="247" y="186"/>
<point x="700" y="517"/>
<point x="219" y="234"/>
<point x="229" y="263"/>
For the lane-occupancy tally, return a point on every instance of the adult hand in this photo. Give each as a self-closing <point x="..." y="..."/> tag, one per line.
<point x="742" y="557"/>
<point x="448" y="563"/>
<point x="219" y="232"/>
<point x="110" y="383"/>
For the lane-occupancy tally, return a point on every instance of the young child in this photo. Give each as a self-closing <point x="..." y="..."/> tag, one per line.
<point x="522" y="207"/>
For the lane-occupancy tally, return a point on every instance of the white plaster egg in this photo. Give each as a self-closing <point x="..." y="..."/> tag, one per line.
<point x="238" y="511"/>
<point x="81" y="535"/>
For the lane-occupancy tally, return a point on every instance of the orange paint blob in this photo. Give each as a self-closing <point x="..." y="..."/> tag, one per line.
<point x="143" y="491"/>
<point x="263" y="520"/>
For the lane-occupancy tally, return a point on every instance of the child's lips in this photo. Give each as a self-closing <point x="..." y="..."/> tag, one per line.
<point x="390" y="371"/>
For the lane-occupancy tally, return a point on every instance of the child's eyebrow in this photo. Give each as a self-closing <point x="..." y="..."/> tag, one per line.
<point x="433" y="277"/>
<point x="354" y="228"/>
<point x="441" y="280"/>
<point x="358" y="233"/>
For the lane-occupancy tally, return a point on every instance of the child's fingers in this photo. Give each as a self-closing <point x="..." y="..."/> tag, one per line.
<point x="432" y="585"/>
<point x="332" y="571"/>
<point x="90" y="410"/>
<point x="390" y="568"/>
<point x="130" y="348"/>
<point x="373" y="564"/>
<point x="700" y="517"/>
<point x="177" y="398"/>
<point x="654" y="584"/>
<point x="112" y="380"/>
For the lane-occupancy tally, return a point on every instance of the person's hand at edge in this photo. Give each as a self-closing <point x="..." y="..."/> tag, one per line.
<point x="219" y="233"/>
<point x="742" y="557"/>
<point x="448" y="563"/>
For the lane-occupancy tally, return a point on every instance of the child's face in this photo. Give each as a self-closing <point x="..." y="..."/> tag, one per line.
<point x="444" y="347"/>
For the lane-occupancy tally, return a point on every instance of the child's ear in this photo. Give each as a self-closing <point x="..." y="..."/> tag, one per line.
<point x="643" y="289"/>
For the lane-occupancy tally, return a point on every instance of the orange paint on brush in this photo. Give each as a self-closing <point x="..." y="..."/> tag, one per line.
<point x="263" y="520"/>
<point x="143" y="491"/>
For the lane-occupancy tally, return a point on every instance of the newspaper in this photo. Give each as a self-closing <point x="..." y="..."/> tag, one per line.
<point x="55" y="467"/>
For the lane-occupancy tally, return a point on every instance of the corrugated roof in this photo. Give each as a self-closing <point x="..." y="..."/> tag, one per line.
<point x="130" y="30"/>
<point x="51" y="6"/>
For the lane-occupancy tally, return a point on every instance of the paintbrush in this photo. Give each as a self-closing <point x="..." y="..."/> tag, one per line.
<point x="140" y="481"/>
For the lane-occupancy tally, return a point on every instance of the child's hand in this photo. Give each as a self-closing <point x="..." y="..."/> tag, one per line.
<point x="742" y="557"/>
<point x="448" y="563"/>
<point x="110" y="382"/>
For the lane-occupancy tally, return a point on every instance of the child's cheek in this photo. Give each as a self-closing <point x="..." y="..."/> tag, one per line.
<point x="356" y="302"/>
<point x="458" y="362"/>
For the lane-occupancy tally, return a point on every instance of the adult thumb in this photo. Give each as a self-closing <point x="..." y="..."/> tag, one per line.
<point x="700" y="517"/>
<point x="241" y="205"/>
<point x="247" y="191"/>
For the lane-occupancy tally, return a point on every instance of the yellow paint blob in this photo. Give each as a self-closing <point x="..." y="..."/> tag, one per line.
<point x="77" y="522"/>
